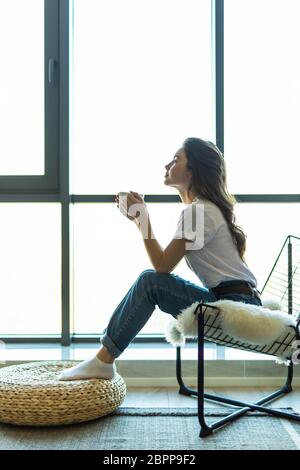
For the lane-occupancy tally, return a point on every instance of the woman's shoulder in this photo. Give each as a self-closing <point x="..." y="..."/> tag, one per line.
<point x="209" y="205"/>
<point x="211" y="210"/>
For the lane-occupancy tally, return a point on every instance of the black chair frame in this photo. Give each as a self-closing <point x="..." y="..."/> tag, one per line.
<point x="206" y="429"/>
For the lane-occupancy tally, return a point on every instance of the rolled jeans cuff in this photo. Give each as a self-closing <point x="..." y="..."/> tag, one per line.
<point x="110" y="345"/>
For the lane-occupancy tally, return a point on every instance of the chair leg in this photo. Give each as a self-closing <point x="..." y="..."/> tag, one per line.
<point x="288" y="385"/>
<point x="205" y="430"/>
<point x="183" y="390"/>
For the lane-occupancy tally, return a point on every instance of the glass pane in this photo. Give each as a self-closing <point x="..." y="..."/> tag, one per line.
<point x="30" y="274"/>
<point x="142" y="84"/>
<point x="22" y="87"/>
<point x="262" y="95"/>
<point x="266" y="227"/>
<point x="109" y="255"/>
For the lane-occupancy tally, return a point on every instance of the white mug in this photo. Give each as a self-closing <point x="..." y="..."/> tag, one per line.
<point x="123" y="201"/>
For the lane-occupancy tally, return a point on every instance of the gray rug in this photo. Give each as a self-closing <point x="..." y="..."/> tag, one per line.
<point x="157" y="429"/>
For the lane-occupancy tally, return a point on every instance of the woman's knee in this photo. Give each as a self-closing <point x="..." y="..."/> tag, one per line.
<point x="150" y="276"/>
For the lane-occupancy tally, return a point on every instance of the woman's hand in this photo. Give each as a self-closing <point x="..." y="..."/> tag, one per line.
<point x="129" y="201"/>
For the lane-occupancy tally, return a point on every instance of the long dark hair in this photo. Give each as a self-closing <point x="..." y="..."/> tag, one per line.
<point x="207" y="165"/>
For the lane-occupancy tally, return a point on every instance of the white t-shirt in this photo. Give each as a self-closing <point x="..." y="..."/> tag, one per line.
<point x="212" y="255"/>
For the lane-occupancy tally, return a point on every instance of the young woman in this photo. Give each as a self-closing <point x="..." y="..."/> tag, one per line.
<point x="213" y="246"/>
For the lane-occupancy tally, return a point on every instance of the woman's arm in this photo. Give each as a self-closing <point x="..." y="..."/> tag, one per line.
<point x="163" y="261"/>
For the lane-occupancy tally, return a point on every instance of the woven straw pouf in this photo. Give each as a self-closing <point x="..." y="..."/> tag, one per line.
<point x="31" y="394"/>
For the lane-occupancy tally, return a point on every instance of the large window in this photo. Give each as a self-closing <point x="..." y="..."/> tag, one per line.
<point x="96" y="96"/>
<point x="262" y="95"/>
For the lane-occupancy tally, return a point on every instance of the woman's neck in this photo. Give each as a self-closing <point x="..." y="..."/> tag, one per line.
<point x="187" y="198"/>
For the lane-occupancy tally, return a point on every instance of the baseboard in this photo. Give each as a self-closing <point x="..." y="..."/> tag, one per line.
<point x="159" y="373"/>
<point x="210" y="382"/>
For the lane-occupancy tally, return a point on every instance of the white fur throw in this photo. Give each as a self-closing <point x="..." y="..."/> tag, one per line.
<point x="245" y="322"/>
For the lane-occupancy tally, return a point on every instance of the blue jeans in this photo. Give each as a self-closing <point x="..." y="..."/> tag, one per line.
<point x="169" y="292"/>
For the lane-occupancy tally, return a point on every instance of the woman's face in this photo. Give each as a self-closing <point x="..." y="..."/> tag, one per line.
<point x="177" y="174"/>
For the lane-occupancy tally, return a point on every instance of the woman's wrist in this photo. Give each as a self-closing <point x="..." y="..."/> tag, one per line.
<point x="143" y="222"/>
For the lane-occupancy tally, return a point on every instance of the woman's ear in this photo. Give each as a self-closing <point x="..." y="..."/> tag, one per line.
<point x="190" y="176"/>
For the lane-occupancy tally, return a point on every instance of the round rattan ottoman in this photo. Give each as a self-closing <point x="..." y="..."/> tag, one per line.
<point x="32" y="395"/>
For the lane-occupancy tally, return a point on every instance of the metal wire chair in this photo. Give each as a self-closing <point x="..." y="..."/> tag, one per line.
<point x="283" y="283"/>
